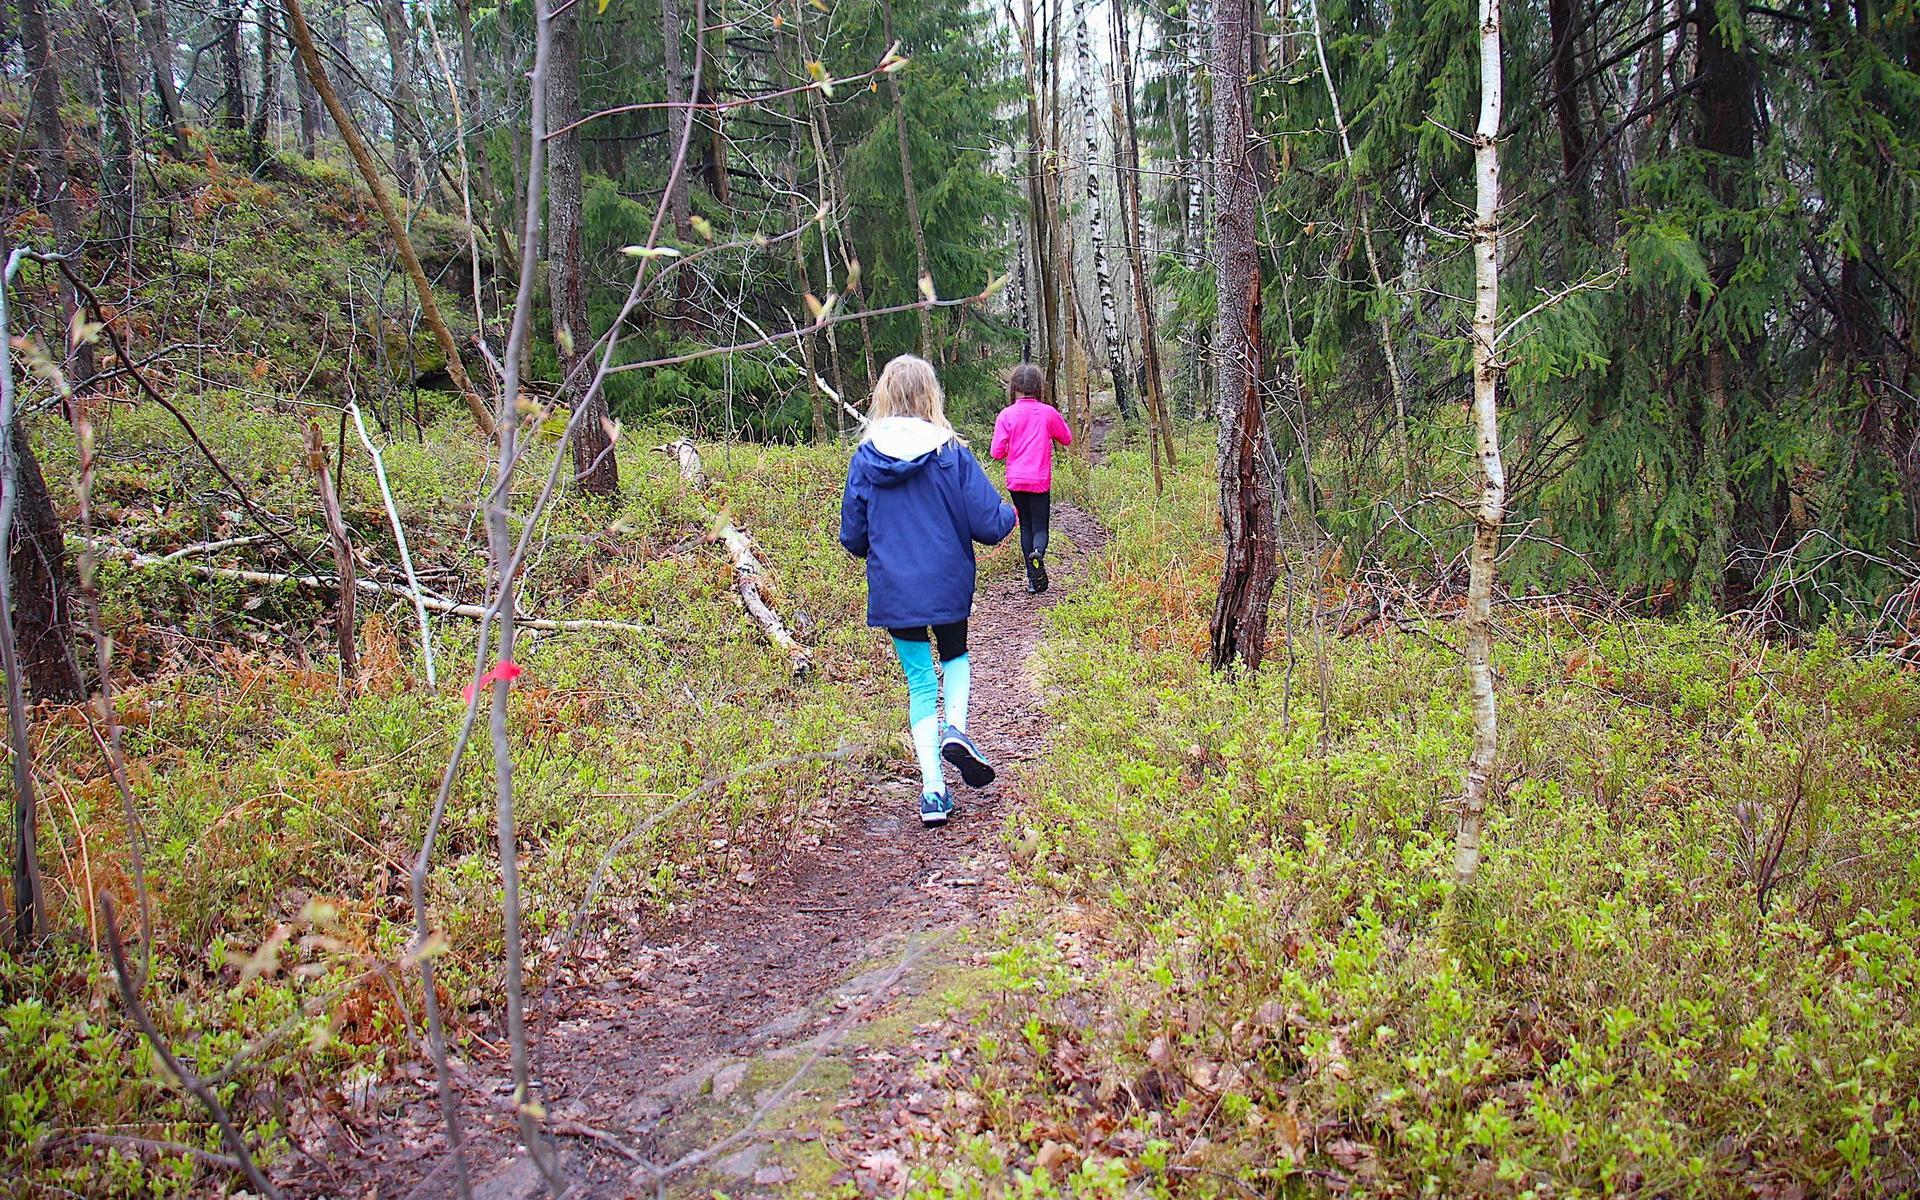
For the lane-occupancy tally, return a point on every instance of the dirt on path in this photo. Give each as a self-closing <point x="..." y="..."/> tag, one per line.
<point x="690" y="1037"/>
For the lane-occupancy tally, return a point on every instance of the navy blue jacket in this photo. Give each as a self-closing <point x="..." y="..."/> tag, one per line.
<point x="915" y="521"/>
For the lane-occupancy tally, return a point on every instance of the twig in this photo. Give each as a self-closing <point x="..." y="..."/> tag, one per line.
<point x="329" y="583"/>
<point x="188" y="1080"/>
<point x="399" y="537"/>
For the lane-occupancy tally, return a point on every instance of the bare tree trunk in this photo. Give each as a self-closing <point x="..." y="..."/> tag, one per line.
<point x="1114" y="346"/>
<point x="1129" y="136"/>
<point x="152" y="15"/>
<point x="1249" y="530"/>
<point x="55" y="191"/>
<point x="42" y="585"/>
<point x="912" y="192"/>
<point x="1483" y="556"/>
<point x="593" y="463"/>
<point x="269" y="96"/>
<point x="679" y="207"/>
<point x="399" y="34"/>
<point x="370" y="173"/>
<point x="233" y="99"/>
<point x="309" y="99"/>
<point x="497" y="208"/>
<point x="119" y="102"/>
<point x="1198" y="172"/>
<point x="34" y="564"/>
<point x="1726" y="129"/>
<point x="1564" y="21"/>
<point x="342" y="559"/>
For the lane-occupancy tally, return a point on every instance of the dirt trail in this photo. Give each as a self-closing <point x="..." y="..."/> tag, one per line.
<point x="640" y="1047"/>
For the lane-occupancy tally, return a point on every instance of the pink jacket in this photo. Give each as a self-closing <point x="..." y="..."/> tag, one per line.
<point x="1024" y="435"/>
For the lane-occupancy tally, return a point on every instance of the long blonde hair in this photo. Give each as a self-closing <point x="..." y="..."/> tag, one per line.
<point x="909" y="388"/>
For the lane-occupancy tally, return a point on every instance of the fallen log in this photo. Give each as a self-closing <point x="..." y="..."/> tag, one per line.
<point x="748" y="573"/>
<point x="373" y="586"/>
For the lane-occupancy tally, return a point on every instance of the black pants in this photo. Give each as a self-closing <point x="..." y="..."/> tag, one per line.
<point x="1036" y="514"/>
<point x="950" y="641"/>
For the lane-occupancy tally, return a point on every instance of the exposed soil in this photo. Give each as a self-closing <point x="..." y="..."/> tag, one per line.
<point x="636" y="1040"/>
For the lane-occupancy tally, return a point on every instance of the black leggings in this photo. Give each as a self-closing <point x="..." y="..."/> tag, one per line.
<point x="950" y="641"/>
<point x="1036" y="514"/>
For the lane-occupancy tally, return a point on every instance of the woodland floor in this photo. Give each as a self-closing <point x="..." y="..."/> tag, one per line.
<point x="749" y="1029"/>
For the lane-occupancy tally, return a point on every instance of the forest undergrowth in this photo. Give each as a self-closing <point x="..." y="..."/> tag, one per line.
<point x="281" y="819"/>
<point x="1689" y="967"/>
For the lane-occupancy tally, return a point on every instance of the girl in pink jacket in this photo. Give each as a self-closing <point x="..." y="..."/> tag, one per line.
<point x="1023" y="436"/>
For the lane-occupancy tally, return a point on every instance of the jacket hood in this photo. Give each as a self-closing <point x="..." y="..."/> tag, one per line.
<point x="898" y="448"/>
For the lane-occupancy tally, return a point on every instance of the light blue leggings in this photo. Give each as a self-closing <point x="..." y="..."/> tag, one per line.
<point x="923" y="705"/>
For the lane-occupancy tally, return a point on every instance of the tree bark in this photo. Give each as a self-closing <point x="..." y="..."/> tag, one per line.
<point x="370" y="172"/>
<point x="152" y="15"/>
<point x="308" y="98"/>
<point x="56" y="188"/>
<point x="1112" y="345"/>
<point x="233" y="97"/>
<point x="398" y="31"/>
<point x="1727" y="126"/>
<point x="1129" y="132"/>
<point x="111" y="26"/>
<point x="343" y="566"/>
<point x="1484" y="555"/>
<point x="269" y="97"/>
<point x="1248" y="525"/>
<point x="679" y="205"/>
<point x="1198" y="172"/>
<point x="497" y="208"/>
<point x="912" y="192"/>
<point x="1564" y="22"/>
<point x="595" y="469"/>
<point x="42" y="584"/>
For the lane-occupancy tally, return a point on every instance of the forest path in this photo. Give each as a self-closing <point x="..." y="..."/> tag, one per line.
<point x="739" y="1020"/>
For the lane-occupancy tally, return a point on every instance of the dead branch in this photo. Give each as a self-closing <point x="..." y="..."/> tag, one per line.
<point x="374" y="586"/>
<point x="748" y="573"/>
<point x="342" y="556"/>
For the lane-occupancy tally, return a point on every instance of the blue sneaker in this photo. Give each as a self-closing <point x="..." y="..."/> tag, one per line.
<point x="935" y="808"/>
<point x="958" y="749"/>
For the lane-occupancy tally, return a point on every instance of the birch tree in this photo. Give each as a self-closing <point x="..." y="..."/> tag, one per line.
<point x="1491" y="510"/>
<point x="1096" y="217"/>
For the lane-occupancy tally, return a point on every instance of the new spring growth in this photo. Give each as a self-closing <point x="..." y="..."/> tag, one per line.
<point x="650" y="251"/>
<point x="821" y="79"/>
<point x="821" y="309"/>
<point x="893" y="60"/>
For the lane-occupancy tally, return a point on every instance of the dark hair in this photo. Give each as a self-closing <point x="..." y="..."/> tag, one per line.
<point x="1027" y="380"/>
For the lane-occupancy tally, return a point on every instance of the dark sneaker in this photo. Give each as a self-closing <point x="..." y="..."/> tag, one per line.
<point x="935" y="808"/>
<point x="1036" y="575"/>
<point x="958" y="749"/>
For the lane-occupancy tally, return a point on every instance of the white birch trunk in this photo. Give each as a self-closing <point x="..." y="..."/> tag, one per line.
<point x="1197" y="171"/>
<point x="1096" y="215"/>
<point x="1486" y="427"/>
